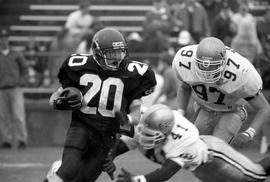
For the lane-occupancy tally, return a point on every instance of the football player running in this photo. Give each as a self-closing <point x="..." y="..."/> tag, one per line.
<point x="221" y="81"/>
<point x="111" y="87"/>
<point x="168" y="138"/>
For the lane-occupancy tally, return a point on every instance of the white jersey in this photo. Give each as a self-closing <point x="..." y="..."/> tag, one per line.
<point x="182" y="146"/>
<point x="239" y="80"/>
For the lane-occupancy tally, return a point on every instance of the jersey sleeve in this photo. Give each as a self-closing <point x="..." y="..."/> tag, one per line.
<point x="68" y="77"/>
<point x="183" y="64"/>
<point x="146" y="86"/>
<point x="174" y="67"/>
<point x="252" y="84"/>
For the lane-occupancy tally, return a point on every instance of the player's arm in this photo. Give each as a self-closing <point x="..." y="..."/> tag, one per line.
<point x="262" y="108"/>
<point x="121" y="146"/>
<point x="135" y="112"/>
<point x="167" y="170"/>
<point x="161" y="93"/>
<point x="146" y="87"/>
<point x="65" y="97"/>
<point x="166" y="88"/>
<point x="257" y="101"/>
<point x="132" y="117"/>
<point x="252" y="94"/>
<point x="183" y="96"/>
<point x="183" y="92"/>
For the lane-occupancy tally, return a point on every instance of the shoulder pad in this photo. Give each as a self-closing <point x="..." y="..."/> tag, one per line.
<point x="183" y="64"/>
<point x="252" y="83"/>
<point x="242" y="77"/>
<point x="145" y="75"/>
<point x="73" y="65"/>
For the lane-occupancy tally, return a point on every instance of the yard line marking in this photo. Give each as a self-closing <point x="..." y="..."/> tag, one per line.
<point x="22" y="165"/>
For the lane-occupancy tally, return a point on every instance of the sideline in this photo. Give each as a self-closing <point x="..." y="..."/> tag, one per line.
<point x="4" y="165"/>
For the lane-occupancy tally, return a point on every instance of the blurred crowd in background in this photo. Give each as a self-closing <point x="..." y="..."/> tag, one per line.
<point x="169" y="26"/>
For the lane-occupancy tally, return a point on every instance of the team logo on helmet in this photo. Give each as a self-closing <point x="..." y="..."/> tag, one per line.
<point x="210" y="59"/>
<point x="206" y="62"/>
<point x="118" y="44"/>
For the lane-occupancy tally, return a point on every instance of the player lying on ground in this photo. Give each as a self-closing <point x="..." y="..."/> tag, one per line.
<point x="166" y="137"/>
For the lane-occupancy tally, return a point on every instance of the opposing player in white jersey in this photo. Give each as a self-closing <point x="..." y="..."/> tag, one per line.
<point x="166" y="137"/>
<point x="221" y="81"/>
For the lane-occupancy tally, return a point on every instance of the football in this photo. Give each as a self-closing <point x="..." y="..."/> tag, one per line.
<point x="71" y="91"/>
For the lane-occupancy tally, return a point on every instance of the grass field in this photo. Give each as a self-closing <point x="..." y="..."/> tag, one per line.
<point x="32" y="164"/>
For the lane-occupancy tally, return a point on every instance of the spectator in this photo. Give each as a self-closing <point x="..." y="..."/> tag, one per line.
<point x="86" y="39"/>
<point x="194" y="18"/>
<point x="177" y="24"/>
<point x="30" y="53"/>
<point x="242" y="15"/>
<point x="212" y="7"/>
<point x="41" y="66"/>
<point x="184" y="39"/>
<point x="13" y="71"/>
<point x="154" y="39"/>
<point x="36" y="62"/>
<point x="161" y="15"/>
<point x="81" y="19"/>
<point x="234" y="5"/>
<point x="134" y="41"/>
<point x="222" y="24"/>
<point x="246" y="41"/>
<point x="84" y="46"/>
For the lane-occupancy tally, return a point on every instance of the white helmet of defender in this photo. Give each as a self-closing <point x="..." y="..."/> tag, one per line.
<point x="156" y="123"/>
<point x="210" y="59"/>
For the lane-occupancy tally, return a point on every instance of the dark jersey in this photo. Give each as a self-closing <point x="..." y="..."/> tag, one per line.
<point x="105" y="91"/>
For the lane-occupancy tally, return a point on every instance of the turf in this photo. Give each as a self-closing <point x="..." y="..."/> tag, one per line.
<point x="32" y="164"/>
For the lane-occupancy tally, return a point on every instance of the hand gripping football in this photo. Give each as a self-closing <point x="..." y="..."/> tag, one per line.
<point x="70" y="99"/>
<point x="71" y="92"/>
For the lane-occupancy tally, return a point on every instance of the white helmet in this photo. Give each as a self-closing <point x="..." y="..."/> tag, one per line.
<point x="156" y="123"/>
<point x="210" y="59"/>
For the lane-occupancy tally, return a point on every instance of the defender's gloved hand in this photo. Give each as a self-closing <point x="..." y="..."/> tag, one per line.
<point x="244" y="137"/>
